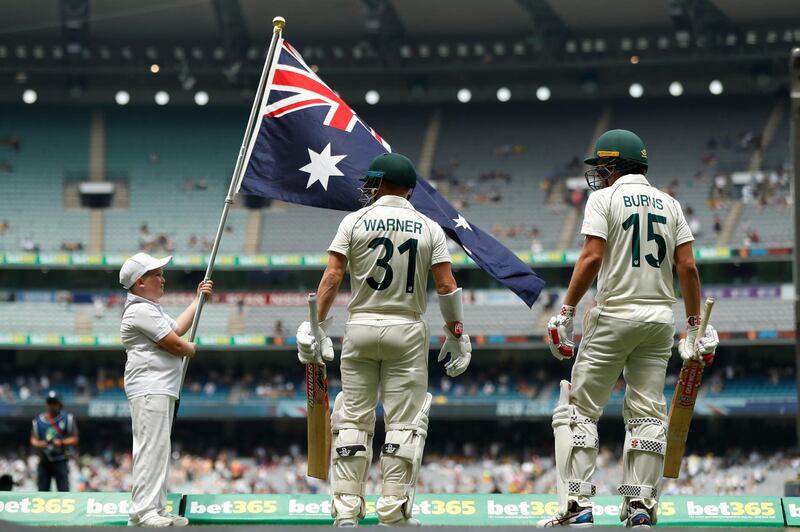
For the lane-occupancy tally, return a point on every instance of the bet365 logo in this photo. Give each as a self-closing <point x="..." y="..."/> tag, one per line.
<point x="38" y="505"/>
<point x="793" y="511"/>
<point x="731" y="509"/>
<point x="238" y="506"/>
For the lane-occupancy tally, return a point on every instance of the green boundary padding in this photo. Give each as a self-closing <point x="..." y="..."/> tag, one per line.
<point x="791" y="510"/>
<point x="87" y="509"/>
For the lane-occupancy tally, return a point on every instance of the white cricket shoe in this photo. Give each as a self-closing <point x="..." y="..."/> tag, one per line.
<point x="155" y="521"/>
<point x="576" y="517"/>
<point x="177" y="520"/>
<point x="347" y="522"/>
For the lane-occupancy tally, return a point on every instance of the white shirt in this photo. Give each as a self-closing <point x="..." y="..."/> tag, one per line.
<point x="642" y="226"/>
<point x="390" y="247"/>
<point x="149" y="369"/>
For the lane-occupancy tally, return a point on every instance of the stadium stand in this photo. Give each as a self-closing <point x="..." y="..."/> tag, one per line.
<point x="177" y="163"/>
<point x="532" y="145"/>
<point x="49" y="146"/>
<point x="298" y="229"/>
<point x="677" y="141"/>
<point x="490" y="312"/>
<point x="527" y="378"/>
<point x="764" y="227"/>
<point x="403" y="130"/>
<point x="501" y="182"/>
<point x="766" y="198"/>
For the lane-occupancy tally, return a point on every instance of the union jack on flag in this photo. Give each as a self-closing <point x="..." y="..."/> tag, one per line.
<point x="309" y="147"/>
<point x="296" y="77"/>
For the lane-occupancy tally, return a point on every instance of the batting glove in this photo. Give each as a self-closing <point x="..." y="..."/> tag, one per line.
<point x="700" y="349"/>
<point x="460" y="351"/>
<point x="308" y="350"/>
<point x="559" y="334"/>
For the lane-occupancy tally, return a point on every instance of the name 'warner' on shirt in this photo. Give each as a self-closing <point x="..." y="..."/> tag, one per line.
<point x="393" y="224"/>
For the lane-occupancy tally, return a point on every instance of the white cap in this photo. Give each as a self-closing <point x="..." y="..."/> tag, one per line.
<point x="138" y="265"/>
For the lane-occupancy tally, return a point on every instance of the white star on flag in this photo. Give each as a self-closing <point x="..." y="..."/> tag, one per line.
<point x="461" y="222"/>
<point x="322" y="166"/>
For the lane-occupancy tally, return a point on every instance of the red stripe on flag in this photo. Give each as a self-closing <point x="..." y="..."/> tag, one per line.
<point x="342" y="113"/>
<point x="304" y="103"/>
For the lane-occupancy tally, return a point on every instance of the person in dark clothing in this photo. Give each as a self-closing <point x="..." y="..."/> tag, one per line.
<point x="52" y="434"/>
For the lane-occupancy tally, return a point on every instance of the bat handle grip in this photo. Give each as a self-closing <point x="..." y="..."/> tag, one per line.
<point x="313" y="318"/>
<point x="705" y="316"/>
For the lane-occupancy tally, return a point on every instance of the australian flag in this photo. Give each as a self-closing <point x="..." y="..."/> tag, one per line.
<point x="311" y="148"/>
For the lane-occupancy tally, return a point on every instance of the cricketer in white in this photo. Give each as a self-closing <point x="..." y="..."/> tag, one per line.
<point x="153" y="371"/>
<point x="389" y="248"/>
<point x="630" y="331"/>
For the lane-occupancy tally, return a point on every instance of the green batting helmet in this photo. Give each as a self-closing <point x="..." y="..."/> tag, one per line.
<point x="619" y="144"/>
<point x="393" y="168"/>
<point x="616" y="150"/>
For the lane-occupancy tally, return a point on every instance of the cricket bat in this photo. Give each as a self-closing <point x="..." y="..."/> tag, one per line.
<point x="318" y="419"/>
<point x="680" y="413"/>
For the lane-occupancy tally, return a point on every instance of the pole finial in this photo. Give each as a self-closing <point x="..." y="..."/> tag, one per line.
<point x="278" y="23"/>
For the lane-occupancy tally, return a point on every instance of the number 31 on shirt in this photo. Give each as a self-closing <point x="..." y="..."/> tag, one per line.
<point x="409" y="246"/>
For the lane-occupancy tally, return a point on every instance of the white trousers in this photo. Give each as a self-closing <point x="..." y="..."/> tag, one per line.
<point x="151" y="418"/>
<point x="390" y="354"/>
<point x="640" y="351"/>
<point x="610" y="346"/>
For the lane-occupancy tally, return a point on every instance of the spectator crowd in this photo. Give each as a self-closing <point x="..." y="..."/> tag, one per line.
<point x="236" y="385"/>
<point x="469" y="471"/>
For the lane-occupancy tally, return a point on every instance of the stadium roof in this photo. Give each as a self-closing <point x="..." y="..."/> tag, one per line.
<point x="87" y="50"/>
<point x="181" y="20"/>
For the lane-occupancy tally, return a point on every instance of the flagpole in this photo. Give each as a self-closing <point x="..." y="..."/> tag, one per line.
<point x="278" y="23"/>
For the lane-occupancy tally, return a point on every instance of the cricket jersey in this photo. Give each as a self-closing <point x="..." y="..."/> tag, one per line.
<point x="149" y="369"/>
<point x="642" y="226"/>
<point x="390" y="248"/>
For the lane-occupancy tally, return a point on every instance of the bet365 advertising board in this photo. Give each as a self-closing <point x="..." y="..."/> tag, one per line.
<point x="70" y="509"/>
<point x="483" y="510"/>
<point x="791" y="510"/>
<point x="88" y="509"/>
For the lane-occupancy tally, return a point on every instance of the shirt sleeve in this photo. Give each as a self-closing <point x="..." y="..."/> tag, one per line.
<point x="683" y="233"/>
<point x="595" y="217"/>
<point x="341" y="242"/>
<point x="440" y="252"/>
<point x="151" y="322"/>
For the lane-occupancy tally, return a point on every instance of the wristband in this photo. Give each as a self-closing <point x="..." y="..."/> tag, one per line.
<point x="693" y="321"/>
<point x="567" y="311"/>
<point x="451" y="307"/>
